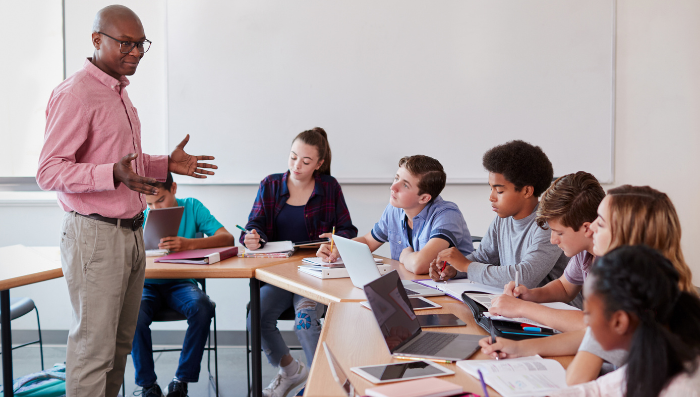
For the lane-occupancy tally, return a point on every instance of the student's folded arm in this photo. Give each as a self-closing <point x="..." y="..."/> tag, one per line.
<point x="344" y="226"/>
<point x="220" y="238"/>
<point x="418" y="262"/>
<point x="67" y="128"/>
<point x="585" y="367"/>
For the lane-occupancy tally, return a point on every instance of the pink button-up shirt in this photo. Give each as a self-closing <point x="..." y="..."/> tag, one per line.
<point x="90" y="125"/>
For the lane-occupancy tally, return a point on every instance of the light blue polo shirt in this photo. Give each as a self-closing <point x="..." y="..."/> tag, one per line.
<point x="196" y="218"/>
<point x="440" y="218"/>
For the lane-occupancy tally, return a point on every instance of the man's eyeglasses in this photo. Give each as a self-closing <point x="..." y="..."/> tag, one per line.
<point x="126" y="47"/>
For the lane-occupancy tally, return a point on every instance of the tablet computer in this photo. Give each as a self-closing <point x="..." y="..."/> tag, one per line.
<point x="160" y="223"/>
<point x="311" y="243"/>
<point x="385" y="373"/>
<point x="439" y="320"/>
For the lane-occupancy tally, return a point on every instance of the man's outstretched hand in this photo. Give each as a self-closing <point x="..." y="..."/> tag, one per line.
<point x="182" y="163"/>
<point x="123" y="173"/>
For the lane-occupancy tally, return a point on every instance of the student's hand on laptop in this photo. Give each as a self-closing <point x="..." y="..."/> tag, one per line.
<point x="506" y="305"/>
<point x="252" y="240"/>
<point x="503" y="348"/>
<point x="175" y="244"/>
<point x="521" y="292"/>
<point x="453" y="257"/>
<point x="324" y="252"/>
<point x="436" y="273"/>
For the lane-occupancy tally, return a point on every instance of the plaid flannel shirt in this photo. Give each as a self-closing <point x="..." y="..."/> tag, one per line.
<point x="326" y="208"/>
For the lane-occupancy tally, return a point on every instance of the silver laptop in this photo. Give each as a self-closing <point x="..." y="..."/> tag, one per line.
<point x="160" y="223"/>
<point x="338" y="373"/>
<point x="362" y="269"/>
<point x="401" y="329"/>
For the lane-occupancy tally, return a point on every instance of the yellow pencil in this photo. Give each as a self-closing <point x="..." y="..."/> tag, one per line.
<point x="332" y="234"/>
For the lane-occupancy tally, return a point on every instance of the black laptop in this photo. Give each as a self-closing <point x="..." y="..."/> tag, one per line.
<point x="402" y="333"/>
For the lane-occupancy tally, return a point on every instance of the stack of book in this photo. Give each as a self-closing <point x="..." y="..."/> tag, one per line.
<point x="272" y="249"/>
<point x="318" y="268"/>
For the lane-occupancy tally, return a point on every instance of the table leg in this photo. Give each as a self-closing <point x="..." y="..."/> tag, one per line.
<point x="255" y="344"/>
<point x="6" y="331"/>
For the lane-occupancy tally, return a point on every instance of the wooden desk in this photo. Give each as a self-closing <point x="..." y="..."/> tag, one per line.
<point x="355" y="340"/>
<point x="229" y="268"/>
<point x="19" y="266"/>
<point x="288" y="277"/>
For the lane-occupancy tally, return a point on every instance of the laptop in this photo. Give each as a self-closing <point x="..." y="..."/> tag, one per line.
<point x="160" y="223"/>
<point x="338" y="373"/>
<point x="401" y="329"/>
<point x="362" y="269"/>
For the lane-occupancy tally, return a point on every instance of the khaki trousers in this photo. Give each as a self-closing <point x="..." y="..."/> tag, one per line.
<point x="104" y="266"/>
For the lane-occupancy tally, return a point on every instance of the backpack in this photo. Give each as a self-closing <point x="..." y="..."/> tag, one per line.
<point x="48" y="383"/>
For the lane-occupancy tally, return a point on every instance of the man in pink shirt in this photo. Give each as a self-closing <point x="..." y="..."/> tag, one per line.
<point x="92" y="157"/>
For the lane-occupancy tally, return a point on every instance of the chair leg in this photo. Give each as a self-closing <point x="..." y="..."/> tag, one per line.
<point x="41" y="343"/>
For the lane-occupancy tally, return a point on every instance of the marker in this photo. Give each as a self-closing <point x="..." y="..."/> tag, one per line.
<point x="532" y="329"/>
<point x="483" y="384"/>
<point x="246" y="232"/>
<point x="332" y="234"/>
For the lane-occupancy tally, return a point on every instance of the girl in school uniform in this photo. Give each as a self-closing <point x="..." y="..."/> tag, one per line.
<point x="302" y="204"/>
<point x="633" y="303"/>
<point x="628" y="215"/>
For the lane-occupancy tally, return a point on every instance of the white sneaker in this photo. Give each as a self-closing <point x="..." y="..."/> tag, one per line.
<point x="282" y="384"/>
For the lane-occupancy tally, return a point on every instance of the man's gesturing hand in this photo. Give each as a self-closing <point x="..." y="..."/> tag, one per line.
<point x="124" y="174"/>
<point x="182" y="163"/>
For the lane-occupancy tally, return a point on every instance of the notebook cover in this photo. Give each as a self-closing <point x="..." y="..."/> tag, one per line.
<point x="224" y="252"/>
<point x="427" y="387"/>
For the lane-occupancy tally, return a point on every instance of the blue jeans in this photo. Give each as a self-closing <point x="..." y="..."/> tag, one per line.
<point x="273" y="302"/>
<point x="192" y="302"/>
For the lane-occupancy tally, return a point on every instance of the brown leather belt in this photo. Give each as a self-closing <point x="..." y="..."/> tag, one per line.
<point x="134" y="223"/>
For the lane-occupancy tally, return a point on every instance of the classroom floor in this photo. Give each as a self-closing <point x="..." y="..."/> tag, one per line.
<point x="232" y="369"/>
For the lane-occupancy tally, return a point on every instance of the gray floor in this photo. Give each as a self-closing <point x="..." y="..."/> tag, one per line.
<point x="232" y="369"/>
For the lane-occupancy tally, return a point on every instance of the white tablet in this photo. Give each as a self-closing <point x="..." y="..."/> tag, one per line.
<point x="385" y="373"/>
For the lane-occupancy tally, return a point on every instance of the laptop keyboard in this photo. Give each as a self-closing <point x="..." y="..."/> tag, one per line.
<point x="431" y="343"/>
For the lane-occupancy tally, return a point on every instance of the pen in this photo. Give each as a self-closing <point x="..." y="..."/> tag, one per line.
<point x="246" y="232"/>
<point x="483" y="384"/>
<point x="418" y="359"/>
<point x="444" y="265"/>
<point x="493" y="337"/>
<point x="332" y="234"/>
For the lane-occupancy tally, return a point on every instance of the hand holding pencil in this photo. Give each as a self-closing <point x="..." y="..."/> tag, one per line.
<point x="328" y="252"/>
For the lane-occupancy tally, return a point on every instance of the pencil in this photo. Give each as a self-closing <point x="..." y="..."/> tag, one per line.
<point x="332" y="234"/>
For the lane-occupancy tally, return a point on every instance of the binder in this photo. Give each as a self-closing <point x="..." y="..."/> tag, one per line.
<point x="324" y="272"/>
<point x="200" y="257"/>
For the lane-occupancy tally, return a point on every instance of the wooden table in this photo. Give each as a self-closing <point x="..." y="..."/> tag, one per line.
<point x="230" y="268"/>
<point x="288" y="277"/>
<point x="20" y="266"/>
<point x="355" y="340"/>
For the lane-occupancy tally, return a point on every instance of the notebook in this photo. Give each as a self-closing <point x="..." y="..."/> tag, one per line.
<point x="428" y="387"/>
<point x="454" y="288"/>
<point x="519" y="377"/>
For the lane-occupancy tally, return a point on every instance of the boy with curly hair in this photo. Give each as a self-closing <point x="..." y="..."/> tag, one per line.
<point x="518" y="174"/>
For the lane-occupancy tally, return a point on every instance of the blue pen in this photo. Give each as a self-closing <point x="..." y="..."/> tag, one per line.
<point x="483" y="384"/>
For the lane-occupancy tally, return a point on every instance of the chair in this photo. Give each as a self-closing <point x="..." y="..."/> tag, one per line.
<point x="18" y="308"/>
<point x="168" y="314"/>
<point x="476" y="239"/>
<point x="287" y="315"/>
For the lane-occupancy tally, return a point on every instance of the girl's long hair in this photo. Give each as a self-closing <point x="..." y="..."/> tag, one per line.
<point x="644" y="283"/>
<point x="642" y="215"/>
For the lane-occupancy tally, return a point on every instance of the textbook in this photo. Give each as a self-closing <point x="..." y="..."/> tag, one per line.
<point x="519" y="377"/>
<point x="324" y="272"/>
<point x="200" y="257"/>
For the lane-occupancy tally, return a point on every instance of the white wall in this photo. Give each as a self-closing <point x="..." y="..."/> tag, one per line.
<point x="657" y="140"/>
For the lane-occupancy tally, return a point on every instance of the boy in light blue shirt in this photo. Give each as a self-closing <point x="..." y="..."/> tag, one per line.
<point x="417" y="223"/>
<point x="184" y="296"/>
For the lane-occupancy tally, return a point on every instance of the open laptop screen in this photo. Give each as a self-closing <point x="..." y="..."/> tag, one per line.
<point x="392" y="309"/>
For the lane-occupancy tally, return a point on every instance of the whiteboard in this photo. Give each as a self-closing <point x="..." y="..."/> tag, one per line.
<point x="449" y="79"/>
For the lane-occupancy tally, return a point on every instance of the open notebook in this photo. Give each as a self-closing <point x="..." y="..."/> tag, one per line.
<point x="519" y="377"/>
